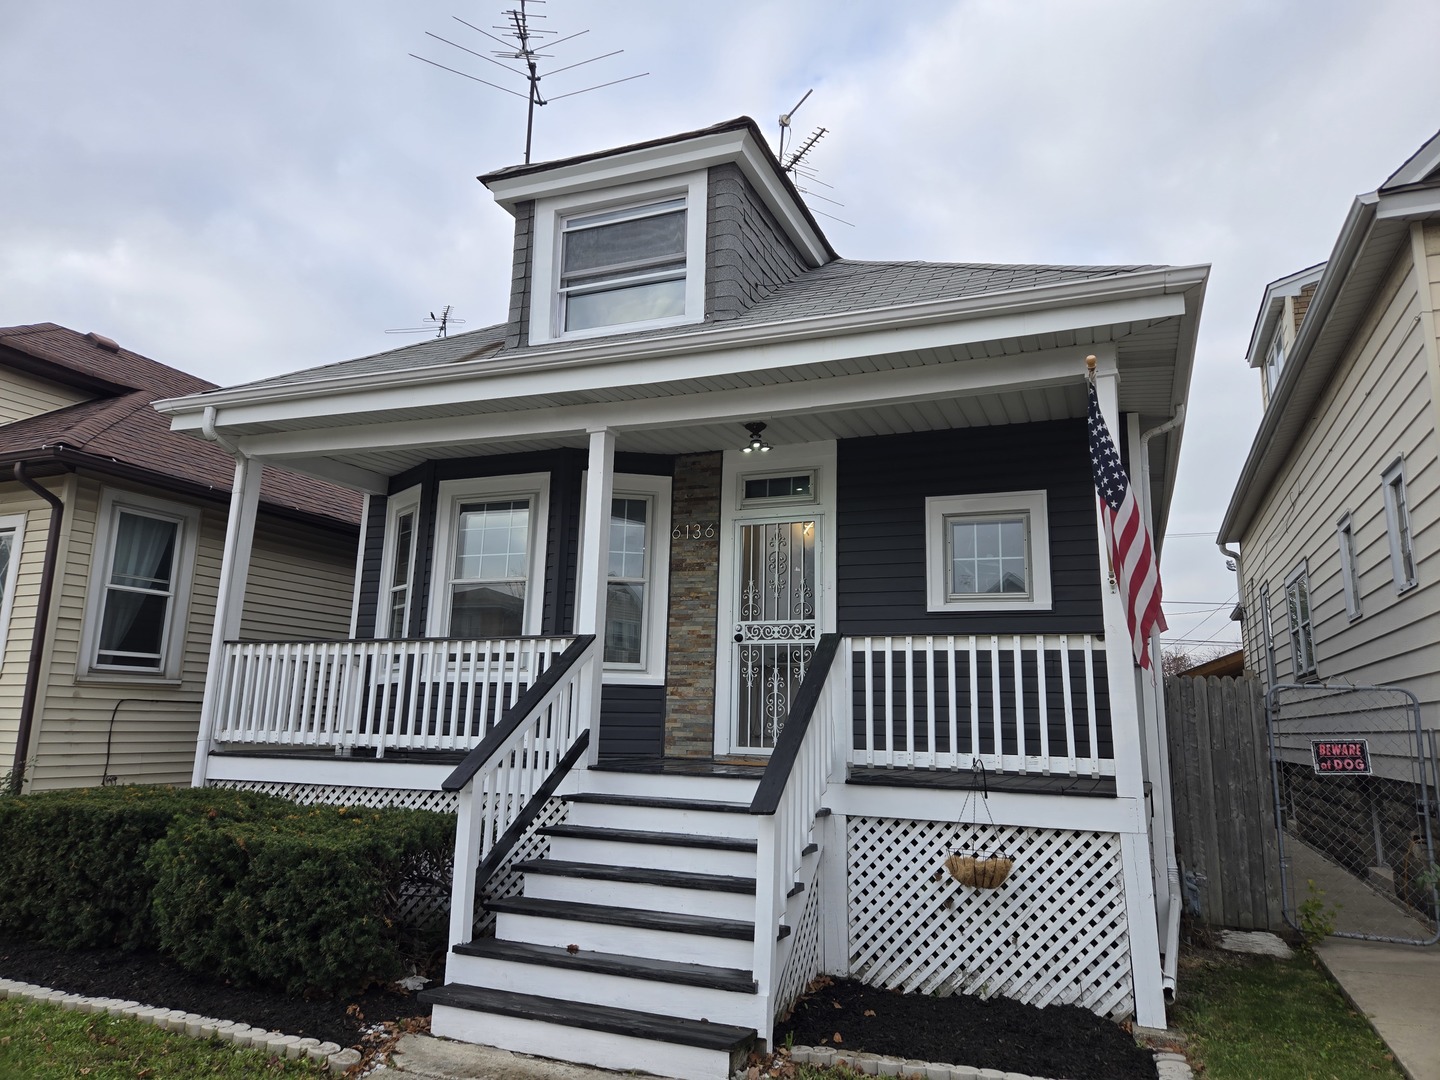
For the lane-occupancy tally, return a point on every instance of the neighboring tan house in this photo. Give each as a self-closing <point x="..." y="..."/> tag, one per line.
<point x="111" y="531"/>
<point x="707" y="587"/>
<point x="1335" y="512"/>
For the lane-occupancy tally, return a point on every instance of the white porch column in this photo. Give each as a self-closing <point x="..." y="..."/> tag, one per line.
<point x="230" y="600"/>
<point x="594" y="558"/>
<point x="1125" y="720"/>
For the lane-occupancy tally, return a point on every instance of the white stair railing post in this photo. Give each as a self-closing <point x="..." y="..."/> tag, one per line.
<point x="469" y="832"/>
<point x="767" y="918"/>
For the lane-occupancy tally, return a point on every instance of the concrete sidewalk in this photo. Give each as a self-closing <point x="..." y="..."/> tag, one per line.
<point x="1397" y="988"/>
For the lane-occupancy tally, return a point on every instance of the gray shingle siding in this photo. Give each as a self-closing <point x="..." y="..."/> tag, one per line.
<point x="517" y="331"/>
<point x="747" y="254"/>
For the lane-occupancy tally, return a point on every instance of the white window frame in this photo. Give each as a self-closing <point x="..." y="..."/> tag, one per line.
<point x="1397" y="526"/>
<point x="1275" y="357"/>
<point x="1302" y="633"/>
<point x="15" y="525"/>
<point x="775" y="500"/>
<point x="941" y="508"/>
<point x="1349" y="574"/>
<point x="657" y="491"/>
<point x="550" y="216"/>
<point x="532" y="486"/>
<point x="172" y="648"/>
<point x="398" y="505"/>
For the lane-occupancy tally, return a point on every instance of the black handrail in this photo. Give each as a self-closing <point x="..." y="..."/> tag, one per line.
<point x="787" y="747"/>
<point x="517" y="714"/>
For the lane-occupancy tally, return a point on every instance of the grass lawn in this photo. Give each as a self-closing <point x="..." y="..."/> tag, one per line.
<point x="1250" y="1016"/>
<point x="45" y="1042"/>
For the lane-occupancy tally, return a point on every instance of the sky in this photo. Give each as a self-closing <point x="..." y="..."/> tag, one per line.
<point x="240" y="189"/>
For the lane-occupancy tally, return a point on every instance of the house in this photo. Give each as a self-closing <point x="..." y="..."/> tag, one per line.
<point x="725" y="589"/>
<point x="111" y="530"/>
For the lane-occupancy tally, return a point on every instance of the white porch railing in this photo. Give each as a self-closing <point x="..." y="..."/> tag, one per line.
<point x="428" y="694"/>
<point x="1019" y="703"/>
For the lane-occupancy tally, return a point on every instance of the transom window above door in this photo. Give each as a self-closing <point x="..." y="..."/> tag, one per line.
<point x="987" y="552"/>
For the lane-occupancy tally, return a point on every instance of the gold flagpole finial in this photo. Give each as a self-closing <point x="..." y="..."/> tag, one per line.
<point x="1090" y="363"/>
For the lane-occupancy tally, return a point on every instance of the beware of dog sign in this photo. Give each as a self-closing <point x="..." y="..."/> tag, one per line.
<point x="1341" y="757"/>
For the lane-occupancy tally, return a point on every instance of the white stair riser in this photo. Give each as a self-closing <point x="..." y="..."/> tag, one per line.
<point x="598" y="1048"/>
<point x="627" y="940"/>
<point x="633" y="895"/>
<point x="665" y="998"/>
<point x="659" y="819"/>
<point x="654" y="785"/>
<point x="653" y="856"/>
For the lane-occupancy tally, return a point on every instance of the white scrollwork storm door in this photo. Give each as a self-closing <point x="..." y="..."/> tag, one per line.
<point x="777" y="627"/>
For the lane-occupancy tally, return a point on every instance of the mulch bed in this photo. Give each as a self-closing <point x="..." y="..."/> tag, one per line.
<point x="1058" y="1041"/>
<point x="153" y="980"/>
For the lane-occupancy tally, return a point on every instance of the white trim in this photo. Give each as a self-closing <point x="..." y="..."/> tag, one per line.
<point x="819" y="456"/>
<point x="547" y="236"/>
<point x="1032" y="505"/>
<point x="656" y="491"/>
<point x="1302" y="631"/>
<point x="407" y="501"/>
<point x="532" y="486"/>
<point x="12" y="523"/>
<point x="1397" y="526"/>
<point x="1349" y="577"/>
<point x="172" y="649"/>
<point x="359" y="574"/>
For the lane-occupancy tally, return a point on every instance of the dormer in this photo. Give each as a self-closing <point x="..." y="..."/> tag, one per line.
<point x="1278" y="323"/>
<point x="688" y="229"/>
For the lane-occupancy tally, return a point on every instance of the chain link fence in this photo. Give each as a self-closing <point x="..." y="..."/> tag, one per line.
<point x="1354" y="776"/>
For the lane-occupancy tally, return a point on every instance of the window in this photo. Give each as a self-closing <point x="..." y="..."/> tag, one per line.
<point x="772" y="489"/>
<point x="1302" y="630"/>
<point x="139" y="586"/>
<point x="1275" y="359"/>
<point x="1267" y="632"/>
<point x="1349" y="577"/>
<point x="631" y="259"/>
<point x="397" y="568"/>
<point x="987" y="552"/>
<point x="12" y="533"/>
<point x="1397" y="525"/>
<point x="490" y="557"/>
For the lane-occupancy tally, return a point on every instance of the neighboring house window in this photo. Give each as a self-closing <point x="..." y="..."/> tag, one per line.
<point x="140" y="585"/>
<point x="1349" y="576"/>
<point x="1266" y="631"/>
<point x="1302" y="630"/>
<point x="12" y="532"/>
<point x="987" y="552"/>
<point x="490" y="557"/>
<point x="1397" y="525"/>
<point x="1275" y="359"/>
<point x="631" y="258"/>
<point x="397" y="572"/>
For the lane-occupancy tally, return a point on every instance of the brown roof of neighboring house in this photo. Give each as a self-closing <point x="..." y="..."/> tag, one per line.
<point x="119" y="432"/>
<point x="1232" y="664"/>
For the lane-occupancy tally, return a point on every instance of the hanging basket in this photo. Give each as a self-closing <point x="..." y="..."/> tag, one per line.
<point x="980" y="871"/>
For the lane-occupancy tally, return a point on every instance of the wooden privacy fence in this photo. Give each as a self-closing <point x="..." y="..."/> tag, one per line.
<point x="1224" y="809"/>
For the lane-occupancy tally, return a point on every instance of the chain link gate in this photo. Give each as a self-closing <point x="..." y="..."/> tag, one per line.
<point x="1354" y="779"/>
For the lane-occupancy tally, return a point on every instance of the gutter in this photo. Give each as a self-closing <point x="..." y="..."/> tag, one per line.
<point x="42" y="622"/>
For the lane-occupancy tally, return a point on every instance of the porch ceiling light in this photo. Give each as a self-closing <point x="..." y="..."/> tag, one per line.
<point x="755" y="443"/>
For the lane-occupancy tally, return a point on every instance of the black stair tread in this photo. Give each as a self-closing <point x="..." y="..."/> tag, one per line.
<point x="643" y="875"/>
<point x="659" y="802"/>
<point x="633" y="836"/>
<point x="671" y="921"/>
<point x="635" y="967"/>
<point x="720" y="1037"/>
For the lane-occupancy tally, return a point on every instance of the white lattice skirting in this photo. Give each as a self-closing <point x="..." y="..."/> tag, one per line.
<point x="1054" y="932"/>
<point x="804" y="962"/>
<point x="345" y="795"/>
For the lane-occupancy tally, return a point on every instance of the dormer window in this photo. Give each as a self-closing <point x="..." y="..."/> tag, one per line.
<point x="1275" y="360"/>
<point x="624" y="258"/>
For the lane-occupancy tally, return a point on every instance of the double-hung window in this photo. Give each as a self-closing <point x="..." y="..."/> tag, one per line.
<point x="12" y="531"/>
<point x="1302" y="628"/>
<point x="1397" y="526"/>
<point x="1275" y="360"/>
<point x="398" y="567"/>
<point x="988" y="552"/>
<point x="1267" y="631"/>
<point x="1349" y="574"/>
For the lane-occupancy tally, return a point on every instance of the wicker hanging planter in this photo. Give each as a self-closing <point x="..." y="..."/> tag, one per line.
<point x="974" y="868"/>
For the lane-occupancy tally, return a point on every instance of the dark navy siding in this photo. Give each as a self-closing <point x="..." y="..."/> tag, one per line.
<point x="632" y="721"/>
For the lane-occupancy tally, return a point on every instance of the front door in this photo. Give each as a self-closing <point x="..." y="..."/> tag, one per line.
<point x="776" y="625"/>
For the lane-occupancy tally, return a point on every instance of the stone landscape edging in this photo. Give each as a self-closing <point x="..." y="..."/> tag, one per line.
<point x="1169" y="1065"/>
<point x="335" y="1057"/>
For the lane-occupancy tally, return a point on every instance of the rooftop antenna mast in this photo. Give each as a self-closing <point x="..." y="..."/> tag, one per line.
<point x="800" y="171"/>
<point x="524" y="44"/>
<point x="439" y="323"/>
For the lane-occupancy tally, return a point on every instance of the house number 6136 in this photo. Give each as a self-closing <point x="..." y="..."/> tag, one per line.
<point x="694" y="530"/>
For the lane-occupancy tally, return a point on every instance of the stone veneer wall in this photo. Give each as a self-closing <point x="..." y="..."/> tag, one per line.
<point x="694" y="609"/>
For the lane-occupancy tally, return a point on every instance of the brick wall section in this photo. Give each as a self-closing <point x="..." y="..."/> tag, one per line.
<point x="519" y="332"/>
<point x="747" y="254"/>
<point x="694" y="606"/>
<point x="1302" y="303"/>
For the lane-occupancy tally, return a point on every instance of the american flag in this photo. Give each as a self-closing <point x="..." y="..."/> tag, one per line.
<point x="1136" y="570"/>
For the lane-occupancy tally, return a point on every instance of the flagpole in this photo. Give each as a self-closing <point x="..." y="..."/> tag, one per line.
<point x="1090" y="361"/>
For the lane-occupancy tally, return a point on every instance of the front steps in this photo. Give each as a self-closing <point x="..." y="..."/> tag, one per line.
<point x="632" y="944"/>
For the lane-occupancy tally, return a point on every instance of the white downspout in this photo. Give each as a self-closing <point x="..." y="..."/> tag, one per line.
<point x="1163" y="801"/>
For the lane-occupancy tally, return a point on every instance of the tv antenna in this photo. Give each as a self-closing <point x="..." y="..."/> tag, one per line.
<point x="439" y="323"/>
<point x="524" y="44"/>
<point x="800" y="171"/>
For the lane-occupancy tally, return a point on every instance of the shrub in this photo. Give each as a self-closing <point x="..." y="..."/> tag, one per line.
<point x="314" y="902"/>
<point x="73" y="863"/>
